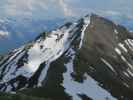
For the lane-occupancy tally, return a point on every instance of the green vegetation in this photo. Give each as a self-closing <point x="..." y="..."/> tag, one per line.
<point x="19" y="96"/>
<point x="45" y="34"/>
<point x="53" y="88"/>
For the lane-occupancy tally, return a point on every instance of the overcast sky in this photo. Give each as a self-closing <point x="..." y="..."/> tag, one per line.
<point x="63" y="8"/>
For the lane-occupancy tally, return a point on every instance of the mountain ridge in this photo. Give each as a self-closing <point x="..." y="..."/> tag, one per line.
<point x="73" y="59"/>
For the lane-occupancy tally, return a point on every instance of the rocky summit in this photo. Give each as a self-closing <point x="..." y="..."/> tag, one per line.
<point x="90" y="59"/>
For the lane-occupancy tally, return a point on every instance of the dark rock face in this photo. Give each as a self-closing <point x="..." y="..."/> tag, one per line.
<point x="91" y="59"/>
<point x="107" y="47"/>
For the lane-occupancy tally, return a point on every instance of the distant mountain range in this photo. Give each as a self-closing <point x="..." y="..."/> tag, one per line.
<point x="16" y="32"/>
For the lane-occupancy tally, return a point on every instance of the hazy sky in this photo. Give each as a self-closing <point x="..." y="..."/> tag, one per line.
<point x="59" y="8"/>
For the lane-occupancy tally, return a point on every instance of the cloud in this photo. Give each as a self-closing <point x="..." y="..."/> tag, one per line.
<point x="32" y="8"/>
<point x="24" y="8"/>
<point x="61" y="8"/>
<point x="66" y="9"/>
<point x="3" y="33"/>
<point x="18" y="7"/>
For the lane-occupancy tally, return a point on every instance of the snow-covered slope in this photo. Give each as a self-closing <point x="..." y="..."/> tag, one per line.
<point x="22" y="63"/>
<point x="85" y="60"/>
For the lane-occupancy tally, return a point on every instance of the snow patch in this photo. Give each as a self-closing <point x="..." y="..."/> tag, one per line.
<point x="108" y="64"/>
<point x="129" y="42"/>
<point x="123" y="47"/>
<point x="130" y="72"/>
<point x="118" y="51"/>
<point x="89" y="87"/>
<point x="87" y="22"/>
<point x="116" y="31"/>
<point x="125" y="60"/>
